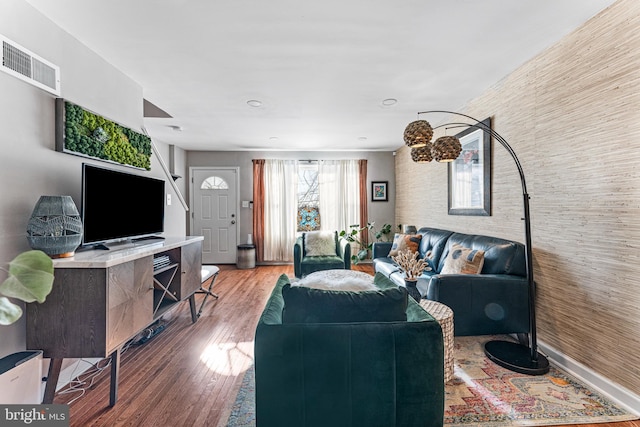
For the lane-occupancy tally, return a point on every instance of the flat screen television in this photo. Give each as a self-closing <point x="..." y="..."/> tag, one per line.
<point x="119" y="205"/>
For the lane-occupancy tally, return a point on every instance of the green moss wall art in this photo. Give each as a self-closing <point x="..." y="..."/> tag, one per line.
<point x="87" y="134"/>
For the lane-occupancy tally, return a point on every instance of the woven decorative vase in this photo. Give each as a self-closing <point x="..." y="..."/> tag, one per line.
<point x="55" y="226"/>
<point x="412" y="289"/>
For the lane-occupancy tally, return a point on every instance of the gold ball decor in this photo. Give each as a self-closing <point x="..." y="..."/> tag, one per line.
<point x="418" y="133"/>
<point x="446" y="149"/>
<point x="422" y="154"/>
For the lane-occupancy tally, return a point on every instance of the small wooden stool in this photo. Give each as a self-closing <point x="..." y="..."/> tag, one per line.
<point x="207" y="272"/>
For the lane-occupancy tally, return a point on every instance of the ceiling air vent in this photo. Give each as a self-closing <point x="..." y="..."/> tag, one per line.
<point x="27" y="66"/>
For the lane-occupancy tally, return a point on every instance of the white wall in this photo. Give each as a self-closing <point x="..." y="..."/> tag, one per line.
<point x="29" y="165"/>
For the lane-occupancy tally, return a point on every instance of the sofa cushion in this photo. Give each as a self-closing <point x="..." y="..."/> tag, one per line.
<point x="500" y="256"/>
<point x="308" y="305"/>
<point x="405" y="241"/>
<point x="320" y="243"/>
<point x="433" y="241"/>
<point x="463" y="260"/>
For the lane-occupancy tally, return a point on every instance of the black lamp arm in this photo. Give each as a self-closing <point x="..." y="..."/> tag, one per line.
<point x="493" y="133"/>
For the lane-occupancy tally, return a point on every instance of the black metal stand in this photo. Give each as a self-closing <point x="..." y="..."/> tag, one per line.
<point x="511" y="355"/>
<point x="516" y="357"/>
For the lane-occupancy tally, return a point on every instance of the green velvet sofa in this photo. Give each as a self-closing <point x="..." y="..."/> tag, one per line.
<point x="387" y="374"/>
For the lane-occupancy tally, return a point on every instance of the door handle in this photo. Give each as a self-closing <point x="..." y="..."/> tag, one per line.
<point x="233" y="221"/>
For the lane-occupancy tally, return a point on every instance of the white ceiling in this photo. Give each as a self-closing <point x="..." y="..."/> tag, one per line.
<point x="321" y="69"/>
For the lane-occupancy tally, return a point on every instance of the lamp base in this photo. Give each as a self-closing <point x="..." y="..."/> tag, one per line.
<point x="516" y="357"/>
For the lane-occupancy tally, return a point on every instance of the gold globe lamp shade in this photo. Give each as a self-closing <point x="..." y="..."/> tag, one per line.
<point x="446" y="149"/>
<point x="418" y="134"/>
<point x="422" y="154"/>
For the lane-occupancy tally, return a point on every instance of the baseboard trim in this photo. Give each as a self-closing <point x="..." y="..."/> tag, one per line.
<point x="619" y="394"/>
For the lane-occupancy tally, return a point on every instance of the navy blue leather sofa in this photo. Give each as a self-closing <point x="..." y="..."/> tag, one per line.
<point x="496" y="301"/>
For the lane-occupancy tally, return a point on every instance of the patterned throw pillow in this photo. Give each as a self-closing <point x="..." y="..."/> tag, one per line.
<point x="320" y="243"/>
<point x="463" y="260"/>
<point x="405" y="241"/>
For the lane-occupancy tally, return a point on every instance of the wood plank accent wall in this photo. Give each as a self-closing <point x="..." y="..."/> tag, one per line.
<point x="572" y="115"/>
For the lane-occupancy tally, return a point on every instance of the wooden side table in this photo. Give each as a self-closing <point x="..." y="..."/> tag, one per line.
<point x="444" y="316"/>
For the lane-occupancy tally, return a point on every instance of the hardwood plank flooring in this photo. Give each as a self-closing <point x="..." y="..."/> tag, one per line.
<point x="189" y="374"/>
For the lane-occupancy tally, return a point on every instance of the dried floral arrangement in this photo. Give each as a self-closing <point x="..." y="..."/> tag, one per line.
<point x="411" y="263"/>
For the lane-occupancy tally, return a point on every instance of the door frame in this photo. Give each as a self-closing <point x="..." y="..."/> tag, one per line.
<point x="192" y="169"/>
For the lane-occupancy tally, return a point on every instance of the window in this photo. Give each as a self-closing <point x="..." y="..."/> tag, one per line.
<point x="214" y="183"/>
<point x="308" y="198"/>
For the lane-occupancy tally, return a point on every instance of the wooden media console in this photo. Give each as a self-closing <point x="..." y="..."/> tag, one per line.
<point x="102" y="299"/>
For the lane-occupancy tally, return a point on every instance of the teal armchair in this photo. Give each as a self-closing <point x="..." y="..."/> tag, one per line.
<point x="304" y="262"/>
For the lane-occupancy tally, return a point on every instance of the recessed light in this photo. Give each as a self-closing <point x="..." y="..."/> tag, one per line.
<point x="176" y="128"/>
<point x="362" y="138"/>
<point x="389" y="102"/>
<point x="254" y="103"/>
<point x="273" y="138"/>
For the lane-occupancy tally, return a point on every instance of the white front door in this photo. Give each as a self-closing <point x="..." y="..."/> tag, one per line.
<point x="214" y="201"/>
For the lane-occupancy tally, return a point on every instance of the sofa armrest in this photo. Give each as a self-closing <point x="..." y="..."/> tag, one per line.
<point x="381" y="249"/>
<point x="297" y="257"/>
<point x="483" y="303"/>
<point x="344" y="252"/>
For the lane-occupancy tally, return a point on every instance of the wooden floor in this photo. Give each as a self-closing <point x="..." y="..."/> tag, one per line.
<point x="189" y="374"/>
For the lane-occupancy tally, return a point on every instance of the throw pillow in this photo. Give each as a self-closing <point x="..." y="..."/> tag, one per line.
<point x="463" y="260"/>
<point x="405" y="241"/>
<point x="319" y="243"/>
<point x="308" y="305"/>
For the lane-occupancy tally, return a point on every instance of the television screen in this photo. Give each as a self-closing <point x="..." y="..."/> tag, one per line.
<point x="119" y="205"/>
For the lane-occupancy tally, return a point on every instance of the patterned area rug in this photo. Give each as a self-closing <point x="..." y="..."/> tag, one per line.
<point x="484" y="394"/>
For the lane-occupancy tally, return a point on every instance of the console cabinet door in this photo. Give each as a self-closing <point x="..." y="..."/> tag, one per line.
<point x="130" y="304"/>
<point x="71" y="322"/>
<point x="191" y="269"/>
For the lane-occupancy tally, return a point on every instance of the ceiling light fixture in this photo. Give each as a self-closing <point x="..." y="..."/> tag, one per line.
<point x="254" y="103"/>
<point x="389" y="102"/>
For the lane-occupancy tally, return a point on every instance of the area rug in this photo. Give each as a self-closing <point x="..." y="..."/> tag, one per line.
<point x="484" y="394"/>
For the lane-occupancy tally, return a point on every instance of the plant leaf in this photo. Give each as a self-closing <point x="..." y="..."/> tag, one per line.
<point x="9" y="312"/>
<point x="30" y="277"/>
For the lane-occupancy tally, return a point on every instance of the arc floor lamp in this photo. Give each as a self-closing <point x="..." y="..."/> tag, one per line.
<point x="514" y="356"/>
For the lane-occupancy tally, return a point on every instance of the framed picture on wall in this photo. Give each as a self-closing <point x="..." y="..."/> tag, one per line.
<point x="379" y="191"/>
<point x="470" y="174"/>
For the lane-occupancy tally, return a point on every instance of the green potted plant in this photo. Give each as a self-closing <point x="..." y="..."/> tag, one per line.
<point x="353" y="235"/>
<point x="30" y="278"/>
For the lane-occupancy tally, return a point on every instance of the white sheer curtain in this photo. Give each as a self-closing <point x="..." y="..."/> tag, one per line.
<point x="280" y="209"/>
<point x="339" y="194"/>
